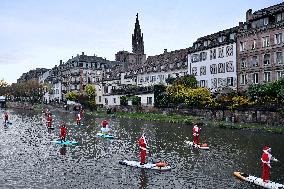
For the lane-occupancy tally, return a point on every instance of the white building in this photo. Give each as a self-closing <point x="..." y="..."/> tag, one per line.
<point x="213" y="61"/>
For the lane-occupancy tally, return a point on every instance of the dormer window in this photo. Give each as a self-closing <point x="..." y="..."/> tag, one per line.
<point x="232" y="36"/>
<point x="280" y="17"/>
<point x="205" y="43"/>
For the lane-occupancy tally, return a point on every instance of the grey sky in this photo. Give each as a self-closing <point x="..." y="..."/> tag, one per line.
<point x="38" y="33"/>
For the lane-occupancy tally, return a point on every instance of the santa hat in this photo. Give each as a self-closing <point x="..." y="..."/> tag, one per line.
<point x="266" y="148"/>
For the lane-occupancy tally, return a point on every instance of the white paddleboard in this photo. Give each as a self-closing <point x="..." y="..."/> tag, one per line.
<point x="153" y="166"/>
<point x="197" y="146"/>
<point x="258" y="181"/>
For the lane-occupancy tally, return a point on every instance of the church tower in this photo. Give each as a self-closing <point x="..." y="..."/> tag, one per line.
<point x="137" y="39"/>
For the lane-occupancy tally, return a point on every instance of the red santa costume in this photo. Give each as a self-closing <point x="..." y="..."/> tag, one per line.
<point x="266" y="158"/>
<point x="49" y="120"/>
<point x="196" y="134"/>
<point x="78" y="119"/>
<point x="143" y="149"/>
<point x="63" y="132"/>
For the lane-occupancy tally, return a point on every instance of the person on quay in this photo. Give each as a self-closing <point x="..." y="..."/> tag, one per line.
<point x="49" y="121"/>
<point x="6" y="118"/>
<point x="78" y="119"/>
<point x="143" y="149"/>
<point x="105" y="126"/>
<point x="63" y="132"/>
<point x="196" y="134"/>
<point x="266" y="158"/>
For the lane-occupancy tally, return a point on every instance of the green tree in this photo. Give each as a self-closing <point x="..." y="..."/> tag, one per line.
<point x="72" y="95"/>
<point x="123" y="100"/>
<point x="188" y="81"/>
<point x="136" y="100"/>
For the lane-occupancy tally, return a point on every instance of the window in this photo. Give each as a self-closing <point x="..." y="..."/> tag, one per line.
<point x="280" y="17"/>
<point x="229" y="66"/>
<point x="232" y="36"/>
<point x="114" y="100"/>
<point x="221" y="52"/>
<point x="149" y="101"/>
<point x="106" y="101"/>
<point x="195" y="58"/>
<point x="229" y="50"/>
<point x="214" y="83"/>
<point x="243" y="63"/>
<point x="260" y="23"/>
<point x="267" y="77"/>
<point x="213" y="69"/>
<point x="280" y="74"/>
<point x="279" y="57"/>
<point x="203" y="70"/>
<point x="243" y="79"/>
<point x="255" y="78"/>
<point x="278" y="38"/>
<point x="265" y="41"/>
<point x="266" y="59"/>
<point x="221" y="68"/>
<point x="265" y="21"/>
<point x="230" y="81"/>
<point x="194" y="71"/>
<point x="254" y="61"/>
<point x="242" y="46"/>
<point x="203" y="83"/>
<point x="203" y="56"/>
<point x="253" y="45"/>
<point x="100" y="98"/>
<point x="212" y="54"/>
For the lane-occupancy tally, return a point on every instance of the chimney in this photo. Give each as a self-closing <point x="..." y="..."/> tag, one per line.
<point x="60" y="62"/>
<point x="241" y="25"/>
<point x="82" y="53"/>
<point x="72" y="57"/>
<point x="165" y="50"/>
<point x="248" y="15"/>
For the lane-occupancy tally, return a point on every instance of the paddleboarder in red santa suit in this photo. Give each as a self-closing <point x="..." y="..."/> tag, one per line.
<point x="143" y="149"/>
<point x="49" y="121"/>
<point x="196" y="134"/>
<point x="266" y="158"/>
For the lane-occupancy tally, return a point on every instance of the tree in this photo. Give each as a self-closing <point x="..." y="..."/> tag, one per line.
<point x="3" y="87"/>
<point x="187" y="81"/>
<point x="136" y="100"/>
<point x="123" y="100"/>
<point x="90" y="90"/>
<point x="72" y="95"/>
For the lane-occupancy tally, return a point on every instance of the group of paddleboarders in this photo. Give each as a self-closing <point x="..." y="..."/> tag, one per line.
<point x="63" y="129"/>
<point x="266" y="157"/>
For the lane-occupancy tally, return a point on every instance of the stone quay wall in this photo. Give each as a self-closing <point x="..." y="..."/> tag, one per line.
<point x="234" y="116"/>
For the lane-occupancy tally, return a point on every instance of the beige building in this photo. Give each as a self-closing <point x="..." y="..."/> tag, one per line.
<point x="260" y="46"/>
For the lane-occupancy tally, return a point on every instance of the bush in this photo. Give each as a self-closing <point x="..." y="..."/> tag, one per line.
<point x="136" y="100"/>
<point x="123" y="100"/>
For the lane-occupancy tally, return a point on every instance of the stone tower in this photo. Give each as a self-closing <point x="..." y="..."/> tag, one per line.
<point x="137" y="39"/>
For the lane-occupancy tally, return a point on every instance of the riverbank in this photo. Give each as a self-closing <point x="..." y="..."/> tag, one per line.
<point x="165" y="116"/>
<point x="190" y="120"/>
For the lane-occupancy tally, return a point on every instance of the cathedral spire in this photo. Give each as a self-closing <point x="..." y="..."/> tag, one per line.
<point x="137" y="39"/>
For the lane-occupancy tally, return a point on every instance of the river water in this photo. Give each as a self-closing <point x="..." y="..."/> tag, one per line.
<point x="29" y="160"/>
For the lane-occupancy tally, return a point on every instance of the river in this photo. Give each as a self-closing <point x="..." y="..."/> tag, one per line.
<point x="29" y="160"/>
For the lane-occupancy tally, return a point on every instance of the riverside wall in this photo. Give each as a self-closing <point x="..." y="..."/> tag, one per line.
<point x="234" y="116"/>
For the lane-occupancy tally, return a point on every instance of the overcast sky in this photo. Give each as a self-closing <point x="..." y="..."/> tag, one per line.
<point x="39" y="33"/>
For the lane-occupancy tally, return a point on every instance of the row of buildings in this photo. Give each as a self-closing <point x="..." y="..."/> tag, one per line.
<point x="250" y="53"/>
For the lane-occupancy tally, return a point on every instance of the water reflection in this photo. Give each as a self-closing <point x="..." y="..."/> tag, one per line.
<point x="143" y="179"/>
<point x="63" y="150"/>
